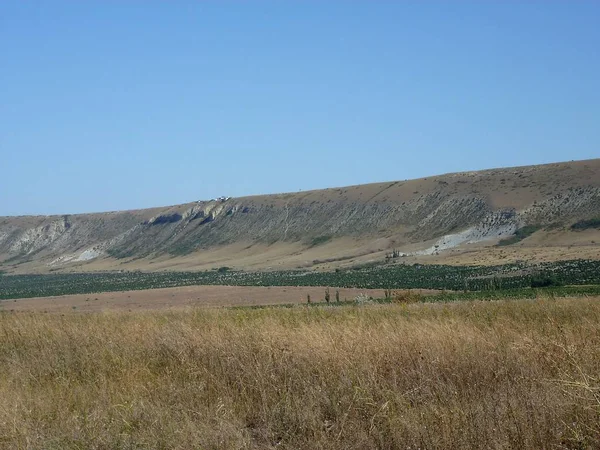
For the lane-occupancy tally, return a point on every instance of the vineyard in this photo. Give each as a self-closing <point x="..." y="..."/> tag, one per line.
<point x="395" y="276"/>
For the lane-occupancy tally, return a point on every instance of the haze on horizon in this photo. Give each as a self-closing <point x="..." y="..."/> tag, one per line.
<point x="112" y="106"/>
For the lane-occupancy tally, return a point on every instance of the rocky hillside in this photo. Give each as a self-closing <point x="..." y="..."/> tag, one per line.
<point x="420" y="217"/>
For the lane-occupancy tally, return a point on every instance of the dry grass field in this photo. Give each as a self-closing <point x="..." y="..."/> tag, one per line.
<point x="499" y="375"/>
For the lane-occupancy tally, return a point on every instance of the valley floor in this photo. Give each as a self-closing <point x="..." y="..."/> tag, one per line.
<point x="184" y="297"/>
<point x="469" y="375"/>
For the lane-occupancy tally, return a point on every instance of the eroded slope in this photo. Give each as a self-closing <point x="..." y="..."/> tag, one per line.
<point x="423" y="217"/>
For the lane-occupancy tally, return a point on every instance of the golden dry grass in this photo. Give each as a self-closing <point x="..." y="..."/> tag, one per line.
<point x="520" y="374"/>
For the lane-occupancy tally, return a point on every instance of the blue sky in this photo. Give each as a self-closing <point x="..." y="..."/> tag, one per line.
<point x="118" y="105"/>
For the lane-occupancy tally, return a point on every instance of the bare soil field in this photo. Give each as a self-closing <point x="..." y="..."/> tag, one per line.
<point x="181" y="297"/>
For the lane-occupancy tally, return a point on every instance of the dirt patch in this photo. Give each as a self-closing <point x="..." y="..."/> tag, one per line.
<point x="181" y="297"/>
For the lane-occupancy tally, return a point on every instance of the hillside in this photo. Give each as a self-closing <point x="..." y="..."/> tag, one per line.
<point x="453" y="218"/>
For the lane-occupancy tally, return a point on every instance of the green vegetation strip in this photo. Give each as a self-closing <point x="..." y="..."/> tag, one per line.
<point x="517" y="294"/>
<point x="446" y="297"/>
<point x="394" y="276"/>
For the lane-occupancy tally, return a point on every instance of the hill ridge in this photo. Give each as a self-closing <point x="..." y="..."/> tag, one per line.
<point x="422" y="217"/>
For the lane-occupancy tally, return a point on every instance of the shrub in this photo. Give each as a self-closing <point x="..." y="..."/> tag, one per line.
<point x="407" y="297"/>
<point x="541" y="280"/>
<point x="586" y="224"/>
<point x="519" y="235"/>
<point x="319" y="240"/>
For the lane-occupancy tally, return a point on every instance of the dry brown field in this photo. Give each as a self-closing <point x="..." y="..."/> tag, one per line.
<point x="186" y="296"/>
<point x="471" y="375"/>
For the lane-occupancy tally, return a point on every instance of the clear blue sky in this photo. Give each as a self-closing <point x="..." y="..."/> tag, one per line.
<point x="113" y="105"/>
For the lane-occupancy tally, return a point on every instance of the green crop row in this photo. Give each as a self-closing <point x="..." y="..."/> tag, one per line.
<point x="394" y="276"/>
